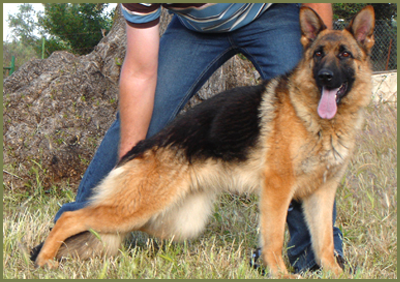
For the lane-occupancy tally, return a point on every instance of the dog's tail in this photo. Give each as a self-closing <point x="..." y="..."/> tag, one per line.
<point x="86" y="245"/>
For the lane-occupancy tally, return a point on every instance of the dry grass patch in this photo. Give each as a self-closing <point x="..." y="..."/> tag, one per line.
<point x="367" y="215"/>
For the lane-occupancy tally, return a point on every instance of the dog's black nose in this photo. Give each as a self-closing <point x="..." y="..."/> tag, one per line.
<point x="325" y="75"/>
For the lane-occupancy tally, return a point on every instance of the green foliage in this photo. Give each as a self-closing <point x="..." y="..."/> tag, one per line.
<point x="20" y="51"/>
<point x="25" y="42"/>
<point x="77" y="26"/>
<point x="383" y="11"/>
<point x="346" y="10"/>
<point x="23" y="24"/>
<point x="53" y="44"/>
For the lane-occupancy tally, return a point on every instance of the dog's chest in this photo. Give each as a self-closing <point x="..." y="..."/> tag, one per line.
<point x="319" y="161"/>
<point x="329" y="151"/>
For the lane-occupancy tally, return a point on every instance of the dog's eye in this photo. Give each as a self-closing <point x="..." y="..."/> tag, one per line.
<point x="345" y="54"/>
<point x="318" y="54"/>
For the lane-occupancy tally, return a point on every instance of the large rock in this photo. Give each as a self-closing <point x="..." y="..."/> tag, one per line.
<point x="384" y="87"/>
<point x="56" y="111"/>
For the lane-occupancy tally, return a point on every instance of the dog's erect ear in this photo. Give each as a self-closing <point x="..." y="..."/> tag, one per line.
<point x="362" y="27"/>
<point x="311" y="24"/>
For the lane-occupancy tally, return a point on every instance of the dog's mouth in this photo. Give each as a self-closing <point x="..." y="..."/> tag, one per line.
<point x="330" y="98"/>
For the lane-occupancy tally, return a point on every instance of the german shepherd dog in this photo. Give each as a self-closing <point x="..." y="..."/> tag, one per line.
<point x="288" y="138"/>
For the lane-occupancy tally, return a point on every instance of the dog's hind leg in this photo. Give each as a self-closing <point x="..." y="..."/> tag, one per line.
<point x="85" y="245"/>
<point x="184" y="220"/>
<point x="125" y="201"/>
<point x="69" y="224"/>
<point x="101" y="219"/>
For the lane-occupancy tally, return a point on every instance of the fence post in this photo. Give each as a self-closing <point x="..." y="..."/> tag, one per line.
<point x="12" y="68"/>
<point x="42" y="48"/>
<point x="388" y="57"/>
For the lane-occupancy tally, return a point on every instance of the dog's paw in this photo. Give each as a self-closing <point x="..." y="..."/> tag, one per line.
<point x="336" y="270"/>
<point x="45" y="260"/>
<point x="46" y="263"/>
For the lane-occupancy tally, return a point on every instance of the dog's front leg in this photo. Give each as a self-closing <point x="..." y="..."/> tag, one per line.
<point x="275" y="199"/>
<point x="318" y="209"/>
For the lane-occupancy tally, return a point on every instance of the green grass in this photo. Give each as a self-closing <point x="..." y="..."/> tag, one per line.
<point x="367" y="215"/>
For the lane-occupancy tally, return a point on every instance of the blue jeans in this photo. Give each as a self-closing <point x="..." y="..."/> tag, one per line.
<point x="186" y="60"/>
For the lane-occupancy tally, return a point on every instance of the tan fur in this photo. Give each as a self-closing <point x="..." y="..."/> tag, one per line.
<point x="298" y="155"/>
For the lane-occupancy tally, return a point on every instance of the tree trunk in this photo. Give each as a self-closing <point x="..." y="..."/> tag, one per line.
<point x="56" y="111"/>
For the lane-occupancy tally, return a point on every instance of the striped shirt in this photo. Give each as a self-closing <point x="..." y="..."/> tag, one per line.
<point x="211" y="17"/>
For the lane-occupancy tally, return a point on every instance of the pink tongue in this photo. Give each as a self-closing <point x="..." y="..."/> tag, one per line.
<point x="327" y="105"/>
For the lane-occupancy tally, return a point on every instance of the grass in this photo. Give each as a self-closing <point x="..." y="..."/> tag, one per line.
<point x="367" y="216"/>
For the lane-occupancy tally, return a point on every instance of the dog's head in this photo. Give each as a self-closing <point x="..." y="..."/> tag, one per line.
<point x="335" y="55"/>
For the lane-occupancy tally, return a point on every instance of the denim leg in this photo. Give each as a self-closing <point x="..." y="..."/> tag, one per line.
<point x="272" y="43"/>
<point x="186" y="60"/>
<point x="102" y="163"/>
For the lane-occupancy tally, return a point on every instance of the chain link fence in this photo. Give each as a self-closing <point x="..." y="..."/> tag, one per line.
<point x="384" y="52"/>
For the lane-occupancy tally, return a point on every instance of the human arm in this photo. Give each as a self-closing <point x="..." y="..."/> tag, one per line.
<point x="137" y="85"/>
<point x="324" y="10"/>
